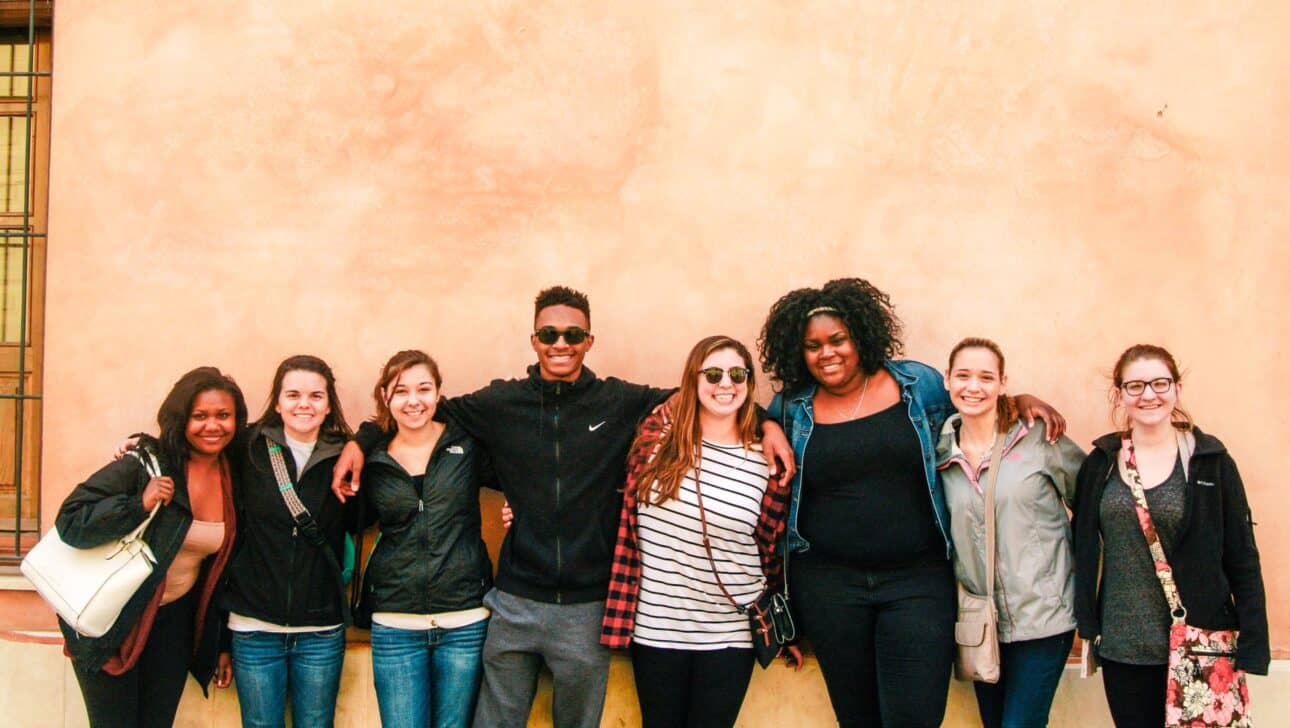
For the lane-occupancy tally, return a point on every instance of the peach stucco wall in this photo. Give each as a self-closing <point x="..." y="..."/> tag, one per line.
<point x="238" y="181"/>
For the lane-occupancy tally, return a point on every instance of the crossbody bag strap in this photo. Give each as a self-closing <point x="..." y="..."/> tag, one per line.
<point x="707" y="545"/>
<point x="1163" y="571"/>
<point x="991" y="479"/>
<point x="305" y="520"/>
<point x="285" y="487"/>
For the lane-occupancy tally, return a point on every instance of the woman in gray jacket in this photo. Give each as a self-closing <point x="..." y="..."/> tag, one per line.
<point x="1034" y="579"/>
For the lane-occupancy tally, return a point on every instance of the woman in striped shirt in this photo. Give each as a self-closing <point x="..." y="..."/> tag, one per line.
<point x="691" y="646"/>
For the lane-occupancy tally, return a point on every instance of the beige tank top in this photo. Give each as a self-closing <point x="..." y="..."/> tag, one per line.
<point x="204" y="538"/>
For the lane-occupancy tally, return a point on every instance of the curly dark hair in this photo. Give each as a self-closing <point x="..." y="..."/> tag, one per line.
<point x="866" y="311"/>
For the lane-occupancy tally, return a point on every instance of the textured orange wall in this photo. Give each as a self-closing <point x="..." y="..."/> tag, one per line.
<point x="235" y="182"/>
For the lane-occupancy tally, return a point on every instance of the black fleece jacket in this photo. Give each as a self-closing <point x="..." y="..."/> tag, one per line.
<point x="559" y="450"/>
<point x="278" y="573"/>
<point x="1215" y="560"/>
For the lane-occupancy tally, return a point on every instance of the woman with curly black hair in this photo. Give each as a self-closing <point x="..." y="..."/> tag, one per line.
<point x="868" y="526"/>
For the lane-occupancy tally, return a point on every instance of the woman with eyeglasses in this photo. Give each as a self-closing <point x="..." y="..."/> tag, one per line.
<point x="696" y="538"/>
<point x="1034" y="594"/>
<point x="868" y="530"/>
<point x="425" y="581"/>
<point x="1197" y="504"/>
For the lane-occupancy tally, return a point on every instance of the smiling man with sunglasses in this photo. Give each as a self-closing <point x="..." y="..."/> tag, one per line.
<point x="558" y="441"/>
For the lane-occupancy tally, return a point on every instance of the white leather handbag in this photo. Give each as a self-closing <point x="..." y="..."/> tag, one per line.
<point x="88" y="588"/>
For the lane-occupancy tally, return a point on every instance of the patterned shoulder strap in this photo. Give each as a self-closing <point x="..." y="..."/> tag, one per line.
<point x="1162" y="569"/>
<point x="283" y="476"/>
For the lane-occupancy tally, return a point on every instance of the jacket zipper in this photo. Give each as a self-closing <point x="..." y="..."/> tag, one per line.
<point x="425" y="531"/>
<point x="559" y="558"/>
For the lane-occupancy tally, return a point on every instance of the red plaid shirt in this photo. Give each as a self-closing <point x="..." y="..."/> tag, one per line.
<point x="625" y="572"/>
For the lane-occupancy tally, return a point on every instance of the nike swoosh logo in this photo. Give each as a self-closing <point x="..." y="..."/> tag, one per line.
<point x="593" y="428"/>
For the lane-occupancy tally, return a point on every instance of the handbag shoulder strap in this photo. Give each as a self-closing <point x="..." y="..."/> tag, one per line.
<point x="305" y="520"/>
<point x="153" y="468"/>
<point x="707" y="545"/>
<point x="285" y="486"/>
<point x="996" y="457"/>
<point x="1163" y="571"/>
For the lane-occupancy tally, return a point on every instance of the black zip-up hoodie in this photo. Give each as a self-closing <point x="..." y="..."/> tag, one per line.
<point x="559" y="450"/>
<point x="278" y="574"/>
<point x="431" y="557"/>
<point x="1214" y="560"/>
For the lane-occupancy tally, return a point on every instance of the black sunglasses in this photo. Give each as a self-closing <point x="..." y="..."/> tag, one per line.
<point x="573" y="335"/>
<point x="738" y="375"/>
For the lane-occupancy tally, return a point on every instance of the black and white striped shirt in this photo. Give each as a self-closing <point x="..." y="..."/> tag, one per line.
<point x="680" y="605"/>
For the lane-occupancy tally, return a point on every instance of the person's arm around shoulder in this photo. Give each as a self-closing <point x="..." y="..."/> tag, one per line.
<point x="110" y="504"/>
<point x="1062" y="462"/>
<point x="1244" y="573"/>
<point x="478" y="412"/>
<point x="1033" y="408"/>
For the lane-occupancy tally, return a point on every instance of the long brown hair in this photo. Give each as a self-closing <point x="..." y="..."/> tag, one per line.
<point x="1181" y="419"/>
<point x="390" y="373"/>
<point x="1006" y="407"/>
<point x="678" y="450"/>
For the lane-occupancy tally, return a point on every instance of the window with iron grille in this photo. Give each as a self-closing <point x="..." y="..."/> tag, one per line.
<point x="25" y="45"/>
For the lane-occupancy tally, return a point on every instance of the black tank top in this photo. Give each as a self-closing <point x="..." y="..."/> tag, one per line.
<point x="865" y="499"/>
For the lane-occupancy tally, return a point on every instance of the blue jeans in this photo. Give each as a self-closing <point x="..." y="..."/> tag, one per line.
<point x="427" y="677"/>
<point x="1028" y="677"/>
<point x="268" y="664"/>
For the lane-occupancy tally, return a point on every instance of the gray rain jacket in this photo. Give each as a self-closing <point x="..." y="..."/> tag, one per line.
<point x="1034" y="587"/>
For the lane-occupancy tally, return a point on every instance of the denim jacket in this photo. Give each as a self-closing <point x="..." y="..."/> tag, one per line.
<point x="921" y="388"/>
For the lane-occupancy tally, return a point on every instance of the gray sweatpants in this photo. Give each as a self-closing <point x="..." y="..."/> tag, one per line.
<point x="522" y="634"/>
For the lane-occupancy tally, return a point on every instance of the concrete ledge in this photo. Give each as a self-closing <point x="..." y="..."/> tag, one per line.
<point x="37" y="688"/>
<point x="15" y="582"/>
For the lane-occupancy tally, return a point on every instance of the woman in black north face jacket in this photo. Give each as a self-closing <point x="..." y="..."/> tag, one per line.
<point x="427" y="576"/>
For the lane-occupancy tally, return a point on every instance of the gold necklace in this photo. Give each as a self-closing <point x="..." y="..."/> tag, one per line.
<point x="863" y="389"/>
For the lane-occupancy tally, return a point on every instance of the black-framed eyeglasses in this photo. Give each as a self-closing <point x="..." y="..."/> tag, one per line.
<point x="738" y="375"/>
<point x="573" y="335"/>
<point x="1135" y="387"/>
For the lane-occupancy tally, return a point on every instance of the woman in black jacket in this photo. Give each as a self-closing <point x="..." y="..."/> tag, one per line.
<point x="134" y="675"/>
<point x="1198" y="507"/>
<point x="427" y="576"/>
<point x="285" y="597"/>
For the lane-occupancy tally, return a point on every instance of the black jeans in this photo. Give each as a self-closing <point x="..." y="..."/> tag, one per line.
<point x="148" y="694"/>
<point x="884" y="638"/>
<point x="699" y="688"/>
<point x="1135" y="693"/>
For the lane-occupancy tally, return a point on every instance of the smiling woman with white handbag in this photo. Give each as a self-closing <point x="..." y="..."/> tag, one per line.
<point x="134" y="673"/>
